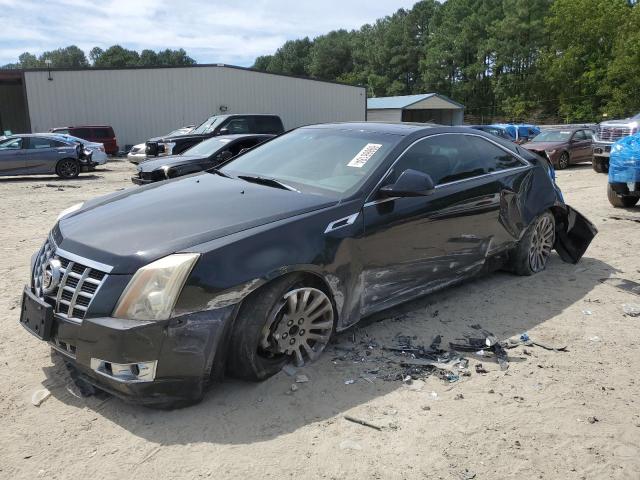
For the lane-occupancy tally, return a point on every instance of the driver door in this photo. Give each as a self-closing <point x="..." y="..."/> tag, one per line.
<point x="414" y="245"/>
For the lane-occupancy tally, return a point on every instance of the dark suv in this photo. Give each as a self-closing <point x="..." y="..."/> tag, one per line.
<point x="213" y="126"/>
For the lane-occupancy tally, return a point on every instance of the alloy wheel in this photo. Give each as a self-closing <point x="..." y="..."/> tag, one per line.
<point x="541" y="243"/>
<point x="68" y="169"/>
<point x="301" y="325"/>
<point x="563" y="162"/>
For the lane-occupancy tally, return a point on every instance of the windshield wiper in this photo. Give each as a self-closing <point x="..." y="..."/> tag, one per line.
<point x="220" y="172"/>
<point x="270" y="182"/>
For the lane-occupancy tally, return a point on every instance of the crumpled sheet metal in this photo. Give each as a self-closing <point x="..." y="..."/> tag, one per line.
<point x="624" y="162"/>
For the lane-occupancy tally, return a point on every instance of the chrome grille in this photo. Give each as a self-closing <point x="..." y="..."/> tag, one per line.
<point x="78" y="284"/>
<point x="611" y="134"/>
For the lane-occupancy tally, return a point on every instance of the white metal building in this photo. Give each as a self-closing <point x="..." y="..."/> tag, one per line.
<point x="428" y="107"/>
<point x="140" y="103"/>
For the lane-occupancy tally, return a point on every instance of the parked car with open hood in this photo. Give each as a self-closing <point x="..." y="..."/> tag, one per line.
<point x="138" y="152"/>
<point x="606" y="135"/>
<point x="204" y="155"/>
<point x="564" y="146"/>
<point x="38" y="154"/>
<point x="496" y="131"/>
<point x="214" y="126"/>
<point x="150" y="293"/>
<point x="103" y="134"/>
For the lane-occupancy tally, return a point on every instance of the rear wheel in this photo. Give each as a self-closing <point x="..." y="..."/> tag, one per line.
<point x="68" y="168"/>
<point x="600" y="164"/>
<point x="620" y="201"/>
<point x="289" y="320"/>
<point x="563" y="161"/>
<point x="533" y="250"/>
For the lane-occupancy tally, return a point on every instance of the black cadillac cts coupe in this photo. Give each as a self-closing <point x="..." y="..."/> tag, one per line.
<point x="152" y="292"/>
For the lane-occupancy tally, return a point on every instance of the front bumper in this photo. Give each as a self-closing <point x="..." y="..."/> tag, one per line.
<point x="185" y="348"/>
<point x="141" y="181"/>
<point x="602" y="149"/>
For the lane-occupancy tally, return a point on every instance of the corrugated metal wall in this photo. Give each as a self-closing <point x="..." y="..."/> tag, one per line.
<point x="384" y="115"/>
<point x="144" y="103"/>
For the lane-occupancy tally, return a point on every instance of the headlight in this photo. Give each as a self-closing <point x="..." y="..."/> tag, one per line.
<point x="168" y="148"/>
<point x="70" y="210"/>
<point x="152" y="292"/>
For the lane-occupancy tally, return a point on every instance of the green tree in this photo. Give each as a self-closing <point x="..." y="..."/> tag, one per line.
<point x="68" y="57"/>
<point x="116" y="56"/>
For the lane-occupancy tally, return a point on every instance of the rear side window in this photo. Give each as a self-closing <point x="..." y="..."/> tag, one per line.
<point x="102" y="133"/>
<point x="268" y="125"/>
<point x="81" y="132"/>
<point x="448" y="158"/>
<point x="11" y="144"/>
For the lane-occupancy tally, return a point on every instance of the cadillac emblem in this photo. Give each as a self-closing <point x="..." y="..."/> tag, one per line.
<point x="51" y="276"/>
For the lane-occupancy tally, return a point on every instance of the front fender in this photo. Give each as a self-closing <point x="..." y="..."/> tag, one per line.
<point x="574" y="234"/>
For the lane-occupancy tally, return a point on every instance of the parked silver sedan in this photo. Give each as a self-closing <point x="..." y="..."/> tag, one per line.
<point x="37" y="154"/>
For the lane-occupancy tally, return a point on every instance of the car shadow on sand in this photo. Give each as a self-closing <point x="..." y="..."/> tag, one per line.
<point x="54" y="178"/>
<point x="235" y="412"/>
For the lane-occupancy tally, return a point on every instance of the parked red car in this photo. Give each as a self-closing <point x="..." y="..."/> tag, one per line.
<point x="94" y="133"/>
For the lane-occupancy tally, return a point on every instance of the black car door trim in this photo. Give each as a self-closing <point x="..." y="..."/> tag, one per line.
<point x="525" y="165"/>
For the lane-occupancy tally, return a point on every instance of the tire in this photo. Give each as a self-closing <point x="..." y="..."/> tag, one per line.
<point x="563" y="161"/>
<point x="620" y="201"/>
<point x="600" y="165"/>
<point x="534" y="248"/>
<point x="267" y="322"/>
<point x="68" y="168"/>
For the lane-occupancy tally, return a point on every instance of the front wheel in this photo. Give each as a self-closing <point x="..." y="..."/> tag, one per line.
<point x="289" y="320"/>
<point x="563" y="161"/>
<point x="533" y="250"/>
<point x="620" y="201"/>
<point x="600" y="165"/>
<point x="68" y="168"/>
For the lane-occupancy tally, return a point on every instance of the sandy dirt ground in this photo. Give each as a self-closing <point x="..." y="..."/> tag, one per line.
<point x="551" y="415"/>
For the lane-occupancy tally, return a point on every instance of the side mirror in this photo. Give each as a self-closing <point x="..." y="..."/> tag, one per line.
<point x="223" y="131"/>
<point x="410" y="183"/>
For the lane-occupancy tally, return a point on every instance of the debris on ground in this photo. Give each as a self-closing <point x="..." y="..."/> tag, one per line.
<point x="294" y="387"/>
<point x="302" y="379"/>
<point x="459" y="396"/>
<point x="592" y="420"/>
<point x="631" y="309"/>
<point x="349" y="382"/>
<point x="487" y="343"/>
<point x="364" y="423"/>
<point x="622" y="284"/>
<point x="480" y="369"/>
<point x="290" y="369"/>
<point x="39" y="396"/>
<point x="350" y="445"/>
<point x="467" y="475"/>
<point x="587" y="312"/>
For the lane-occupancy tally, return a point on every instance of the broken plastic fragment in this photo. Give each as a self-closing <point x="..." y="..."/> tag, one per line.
<point x="349" y="382"/>
<point x="631" y="309"/>
<point x="39" y="396"/>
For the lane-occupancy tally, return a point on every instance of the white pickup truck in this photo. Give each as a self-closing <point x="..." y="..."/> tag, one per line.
<point x="606" y="135"/>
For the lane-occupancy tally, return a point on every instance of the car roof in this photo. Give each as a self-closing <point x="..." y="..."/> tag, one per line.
<point x="235" y="136"/>
<point x="396" y="128"/>
<point x="84" y="126"/>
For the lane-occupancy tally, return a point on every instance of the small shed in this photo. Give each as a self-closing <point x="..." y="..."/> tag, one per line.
<point x="424" y="108"/>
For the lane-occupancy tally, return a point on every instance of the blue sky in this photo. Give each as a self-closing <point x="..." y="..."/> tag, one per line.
<point x="210" y="31"/>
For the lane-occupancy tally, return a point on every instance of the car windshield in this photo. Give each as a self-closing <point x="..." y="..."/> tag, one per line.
<point x="553" y="136"/>
<point x="316" y="160"/>
<point x="208" y="126"/>
<point x="207" y="148"/>
<point x="178" y="131"/>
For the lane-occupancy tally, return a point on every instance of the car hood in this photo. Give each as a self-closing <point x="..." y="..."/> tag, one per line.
<point x="169" y="161"/>
<point x="178" y="138"/>
<point x="540" y="146"/>
<point x="132" y="228"/>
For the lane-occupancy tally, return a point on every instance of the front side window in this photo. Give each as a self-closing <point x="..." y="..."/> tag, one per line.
<point x="453" y="157"/>
<point x="268" y="125"/>
<point x="38" y="143"/>
<point x="317" y="160"/>
<point x="102" y="133"/>
<point x="238" y="125"/>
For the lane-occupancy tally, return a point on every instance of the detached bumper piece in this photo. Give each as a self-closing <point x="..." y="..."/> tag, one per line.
<point x="573" y="239"/>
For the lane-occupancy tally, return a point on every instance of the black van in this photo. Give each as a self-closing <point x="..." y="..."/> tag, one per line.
<point x="213" y="126"/>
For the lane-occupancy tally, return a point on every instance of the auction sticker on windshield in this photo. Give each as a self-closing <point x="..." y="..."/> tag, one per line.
<point x="364" y="155"/>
